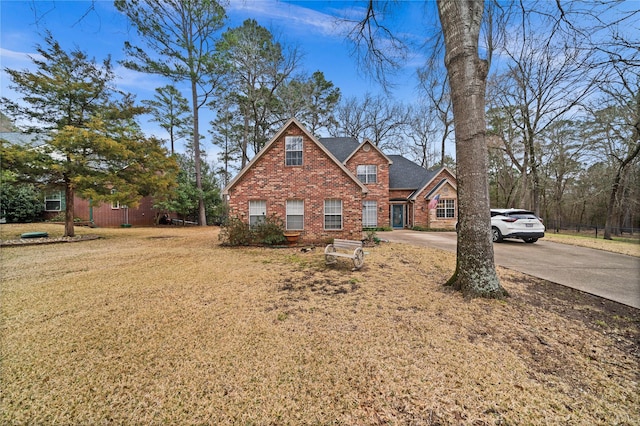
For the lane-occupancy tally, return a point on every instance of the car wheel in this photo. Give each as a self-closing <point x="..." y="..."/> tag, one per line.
<point x="530" y="240"/>
<point x="496" y="235"/>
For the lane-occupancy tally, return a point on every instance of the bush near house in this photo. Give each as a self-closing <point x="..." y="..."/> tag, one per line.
<point x="269" y="231"/>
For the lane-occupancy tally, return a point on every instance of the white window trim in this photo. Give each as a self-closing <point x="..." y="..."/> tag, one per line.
<point x="53" y="196"/>
<point x="333" y="214"/>
<point x="288" y="142"/>
<point x="446" y="205"/>
<point x="257" y="208"/>
<point x="373" y="207"/>
<point x="295" y="208"/>
<point x="370" y="170"/>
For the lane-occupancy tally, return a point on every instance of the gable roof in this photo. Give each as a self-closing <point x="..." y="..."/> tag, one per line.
<point x="341" y="148"/>
<point x="440" y="184"/>
<point x="310" y="137"/>
<point x="405" y="174"/>
<point x="344" y="148"/>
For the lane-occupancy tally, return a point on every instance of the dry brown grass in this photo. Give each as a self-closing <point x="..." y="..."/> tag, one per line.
<point x="622" y="247"/>
<point x="165" y="326"/>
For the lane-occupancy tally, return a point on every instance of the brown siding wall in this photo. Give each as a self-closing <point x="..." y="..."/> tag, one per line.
<point x="105" y="216"/>
<point x="318" y="179"/>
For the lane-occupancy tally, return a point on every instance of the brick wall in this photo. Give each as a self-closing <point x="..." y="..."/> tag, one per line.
<point x="378" y="191"/>
<point x="426" y="217"/>
<point x="319" y="178"/>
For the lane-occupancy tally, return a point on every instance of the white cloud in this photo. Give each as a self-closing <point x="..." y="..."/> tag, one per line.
<point x="290" y="16"/>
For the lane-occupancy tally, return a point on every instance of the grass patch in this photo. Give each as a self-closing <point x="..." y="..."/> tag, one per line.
<point x="165" y="326"/>
<point x="626" y="246"/>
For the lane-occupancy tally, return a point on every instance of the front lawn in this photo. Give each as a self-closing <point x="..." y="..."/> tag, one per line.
<point x="165" y="326"/>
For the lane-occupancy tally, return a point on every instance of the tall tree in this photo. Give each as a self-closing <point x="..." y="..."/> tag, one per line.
<point x="182" y="35"/>
<point x="475" y="273"/>
<point x="171" y="111"/>
<point x="616" y="123"/>
<point x="257" y="65"/>
<point x="461" y="22"/>
<point x="435" y="87"/>
<point x="93" y="145"/>
<point x="548" y="75"/>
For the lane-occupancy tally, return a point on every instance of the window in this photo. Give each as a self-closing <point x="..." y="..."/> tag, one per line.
<point x="369" y="214"/>
<point x="295" y="214"/>
<point x="257" y="212"/>
<point x="446" y="209"/>
<point x="367" y="173"/>
<point x="333" y="214"/>
<point x="53" y="202"/>
<point x="293" y="150"/>
<point x="115" y="204"/>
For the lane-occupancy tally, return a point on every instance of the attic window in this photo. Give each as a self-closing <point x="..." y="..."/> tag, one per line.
<point x="366" y="147"/>
<point x="293" y="150"/>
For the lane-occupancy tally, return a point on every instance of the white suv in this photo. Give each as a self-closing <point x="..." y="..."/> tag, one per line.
<point x="515" y="223"/>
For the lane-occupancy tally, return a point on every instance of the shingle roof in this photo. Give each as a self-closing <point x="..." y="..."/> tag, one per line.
<point x="23" y="139"/>
<point x="341" y="148"/>
<point x="405" y="174"/>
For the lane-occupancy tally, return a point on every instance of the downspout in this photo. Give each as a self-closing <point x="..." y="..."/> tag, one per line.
<point x="91" y="211"/>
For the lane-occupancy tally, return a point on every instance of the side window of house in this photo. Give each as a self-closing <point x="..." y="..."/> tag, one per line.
<point x="53" y="202"/>
<point x="446" y="209"/>
<point x="369" y="214"/>
<point x="367" y="173"/>
<point x="332" y="214"/>
<point x="115" y="204"/>
<point x="295" y="214"/>
<point x="257" y="212"/>
<point x="293" y="150"/>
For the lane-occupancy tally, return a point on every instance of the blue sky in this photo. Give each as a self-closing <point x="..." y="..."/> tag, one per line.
<point x="100" y="30"/>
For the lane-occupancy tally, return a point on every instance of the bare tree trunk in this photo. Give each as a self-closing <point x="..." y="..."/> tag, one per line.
<point x="202" y="213"/>
<point x="475" y="273"/>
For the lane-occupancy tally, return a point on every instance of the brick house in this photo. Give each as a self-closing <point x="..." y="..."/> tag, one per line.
<point x="102" y="215"/>
<point x="334" y="187"/>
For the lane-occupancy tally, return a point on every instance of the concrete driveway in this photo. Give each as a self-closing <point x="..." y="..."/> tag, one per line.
<point x="609" y="275"/>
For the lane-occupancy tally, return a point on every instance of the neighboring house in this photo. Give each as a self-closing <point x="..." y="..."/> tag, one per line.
<point x="103" y="215"/>
<point x="334" y="187"/>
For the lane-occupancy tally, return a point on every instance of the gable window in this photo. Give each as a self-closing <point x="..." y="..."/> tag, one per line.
<point x="332" y="214"/>
<point x="446" y="209"/>
<point x="53" y="202"/>
<point x="295" y="214"/>
<point x="367" y="173"/>
<point x="257" y="212"/>
<point x="293" y="150"/>
<point x="369" y="214"/>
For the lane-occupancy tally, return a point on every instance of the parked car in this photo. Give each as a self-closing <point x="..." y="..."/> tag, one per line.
<point x="515" y="223"/>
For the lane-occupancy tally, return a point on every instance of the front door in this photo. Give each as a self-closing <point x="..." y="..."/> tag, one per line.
<point x="397" y="216"/>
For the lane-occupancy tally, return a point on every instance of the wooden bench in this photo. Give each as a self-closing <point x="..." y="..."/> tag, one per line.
<point x="353" y="248"/>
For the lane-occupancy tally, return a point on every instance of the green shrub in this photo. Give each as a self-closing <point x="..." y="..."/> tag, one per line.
<point x="235" y="232"/>
<point x="20" y="202"/>
<point x="270" y="231"/>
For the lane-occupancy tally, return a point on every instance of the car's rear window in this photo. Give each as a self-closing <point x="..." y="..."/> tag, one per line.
<point x="522" y="215"/>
